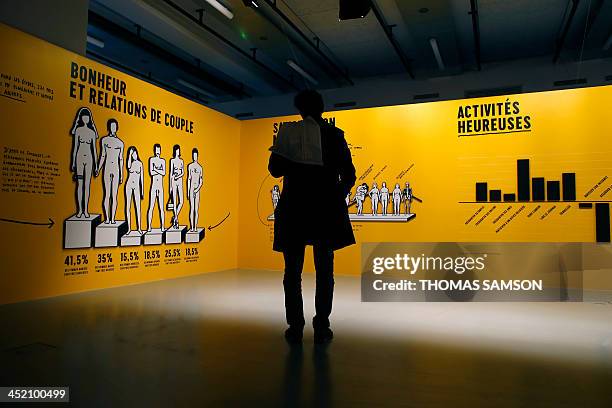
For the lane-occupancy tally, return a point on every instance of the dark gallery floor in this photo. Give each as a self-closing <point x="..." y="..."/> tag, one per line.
<point x="216" y="340"/>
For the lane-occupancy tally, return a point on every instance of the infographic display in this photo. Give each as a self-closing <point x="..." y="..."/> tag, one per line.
<point x="107" y="180"/>
<point x="517" y="168"/>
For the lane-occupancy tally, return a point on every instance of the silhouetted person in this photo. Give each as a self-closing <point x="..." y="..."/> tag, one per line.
<point x="301" y="220"/>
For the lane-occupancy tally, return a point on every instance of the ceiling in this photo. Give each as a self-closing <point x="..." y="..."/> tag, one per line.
<point x="215" y="61"/>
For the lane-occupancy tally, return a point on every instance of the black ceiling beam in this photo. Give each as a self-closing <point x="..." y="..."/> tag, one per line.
<point x="145" y="77"/>
<point x="389" y="33"/>
<point x="560" y="42"/>
<point x="476" y="31"/>
<point x="230" y="44"/>
<point x="135" y="39"/>
<point x="315" y="47"/>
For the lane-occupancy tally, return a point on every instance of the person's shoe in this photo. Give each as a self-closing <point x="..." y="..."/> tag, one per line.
<point x="294" y="335"/>
<point x="324" y="335"/>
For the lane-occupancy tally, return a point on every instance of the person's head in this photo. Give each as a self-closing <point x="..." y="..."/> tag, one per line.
<point x="194" y="154"/>
<point x="157" y="149"/>
<point x="397" y="185"/>
<point x="112" y="126"/>
<point x="83" y="118"/>
<point x="176" y="151"/>
<point x="275" y="188"/>
<point x="134" y="153"/>
<point x="407" y="184"/>
<point x="384" y="184"/>
<point x="374" y="185"/>
<point x="309" y="103"/>
<point x="132" y="156"/>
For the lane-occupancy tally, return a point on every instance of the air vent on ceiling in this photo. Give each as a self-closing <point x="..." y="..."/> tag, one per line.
<point x="345" y="104"/>
<point x="243" y="115"/>
<point x="426" y="96"/>
<point x="568" y="82"/>
<point x="504" y="90"/>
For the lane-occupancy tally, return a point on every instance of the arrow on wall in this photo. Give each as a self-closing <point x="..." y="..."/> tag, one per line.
<point x="49" y="223"/>
<point x="210" y="227"/>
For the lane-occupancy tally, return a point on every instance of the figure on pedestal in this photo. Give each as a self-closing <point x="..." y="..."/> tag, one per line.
<point x="177" y="170"/>
<point x="134" y="188"/>
<point x="111" y="157"/>
<point x="194" y="185"/>
<point x="83" y="163"/>
<point x="157" y="171"/>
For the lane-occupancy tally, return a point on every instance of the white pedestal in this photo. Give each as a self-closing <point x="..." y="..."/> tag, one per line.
<point x="108" y="235"/>
<point x="193" y="237"/>
<point x="132" y="238"/>
<point x="155" y="237"/>
<point x="176" y="235"/>
<point x="79" y="232"/>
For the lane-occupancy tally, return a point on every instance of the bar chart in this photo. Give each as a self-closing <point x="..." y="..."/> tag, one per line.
<point x="532" y="188"/>
<point x="536" y="189"/>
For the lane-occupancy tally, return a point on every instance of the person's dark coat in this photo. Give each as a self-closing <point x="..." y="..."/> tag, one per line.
<point x="312" y="206"/>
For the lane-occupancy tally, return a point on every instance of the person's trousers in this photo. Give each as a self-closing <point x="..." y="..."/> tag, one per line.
<point x="292" y="282"/>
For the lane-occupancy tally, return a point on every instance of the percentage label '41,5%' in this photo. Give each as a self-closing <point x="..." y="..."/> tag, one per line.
<point x="75" y="260"/>
<point x="129" y="256"/>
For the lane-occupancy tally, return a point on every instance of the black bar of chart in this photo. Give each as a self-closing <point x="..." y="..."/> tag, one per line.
<point x="481" y="191"/>
<point x="553" y="190"/>
<point x="602" y="222"/>
<point x="569" y="186"/>
<point x="538" y="189"/>
<point x="522" y="175"/>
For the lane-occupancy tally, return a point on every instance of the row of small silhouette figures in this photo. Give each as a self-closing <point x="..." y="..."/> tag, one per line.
<point x="85" y="163"/>
<point x="378" y="197"/>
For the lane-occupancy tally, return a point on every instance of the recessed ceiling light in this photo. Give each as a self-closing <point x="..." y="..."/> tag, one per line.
<point x="221" y="8"/>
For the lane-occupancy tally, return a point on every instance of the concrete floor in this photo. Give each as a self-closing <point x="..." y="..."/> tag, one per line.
<point x="216" y="340"/>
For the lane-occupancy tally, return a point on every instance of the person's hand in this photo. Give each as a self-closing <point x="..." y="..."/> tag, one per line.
<point x="73" y="167"/>
<point x="120" y="179"/>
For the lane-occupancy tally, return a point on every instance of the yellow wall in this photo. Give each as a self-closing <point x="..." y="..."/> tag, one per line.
<point x="32" y="256"/>
<point x="568" y="133"/>
<point x="416" y="143"/>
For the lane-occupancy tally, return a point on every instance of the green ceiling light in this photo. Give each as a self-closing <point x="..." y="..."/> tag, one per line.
<point x="243" y="35"/>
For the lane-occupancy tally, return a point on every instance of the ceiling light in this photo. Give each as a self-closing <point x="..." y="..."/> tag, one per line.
<point x="94" y="41"/>
<point x="301" y="71"/>
<point x="221" y="8"/>
<point x="436" y="51"/>
<point x="250" y="3"/>
<point x="195" y="88"/>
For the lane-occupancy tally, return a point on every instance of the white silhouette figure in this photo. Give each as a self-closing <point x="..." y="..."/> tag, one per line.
<point x="374" y="194"/>
<point x="157" y="171"/>
<point x="397" y="199"/>
<point x="134" y="188"/>
<point x="83" y="164"/>
<point x="177" y="170"/>
<point x="275" y="196"/>
<point x="360" y="195"/>
<point x="384" y="198"/>
<point x="111" y="157"/>
<point x="194" y="185"/>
